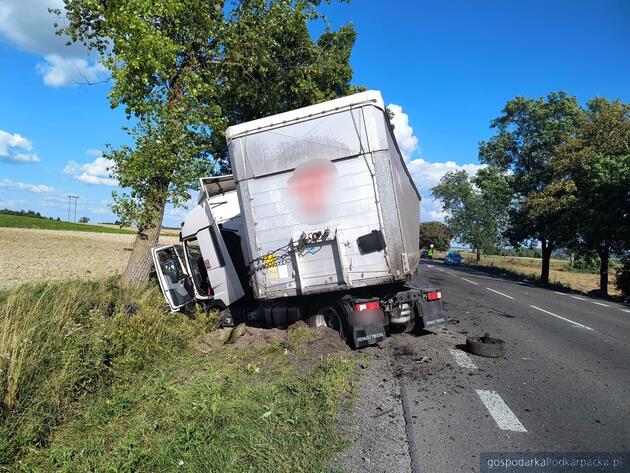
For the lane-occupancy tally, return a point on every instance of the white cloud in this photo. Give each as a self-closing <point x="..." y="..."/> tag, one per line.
<point x="29" y="25"/>
<point x="25" y="158"/>
<point x="39" y="188"/>
<point x="8" y="141"/>
<point x="94" y="152"/>
<point x="424" y="173"/>
<point x="407" y="141"/>
<point x="101" y="210"/>
<point x="59" y="71"/>
<point x="97" y="172"/>
<point x="12" y="147"/>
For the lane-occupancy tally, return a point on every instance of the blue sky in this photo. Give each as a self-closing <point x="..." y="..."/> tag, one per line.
<point x="449" y="66"/>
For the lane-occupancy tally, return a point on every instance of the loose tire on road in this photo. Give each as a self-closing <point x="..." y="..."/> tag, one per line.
<point x="485" y="346"/>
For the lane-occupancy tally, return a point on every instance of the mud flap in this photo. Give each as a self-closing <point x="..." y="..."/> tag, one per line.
<point x="364" y="335"/>
<point x="430" y="314"/>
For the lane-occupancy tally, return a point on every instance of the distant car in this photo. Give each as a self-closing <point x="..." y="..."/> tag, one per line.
<point x="426" y="255"/>
<point x="453" y="257"/>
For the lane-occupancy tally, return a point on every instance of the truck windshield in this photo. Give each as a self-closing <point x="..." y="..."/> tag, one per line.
<point x="197" y="267"/>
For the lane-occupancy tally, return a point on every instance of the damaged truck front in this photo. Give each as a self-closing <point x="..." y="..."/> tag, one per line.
<point x="319" y="221"/>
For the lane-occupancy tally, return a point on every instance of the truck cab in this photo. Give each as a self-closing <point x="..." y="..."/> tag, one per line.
<point x="201" y="266"/>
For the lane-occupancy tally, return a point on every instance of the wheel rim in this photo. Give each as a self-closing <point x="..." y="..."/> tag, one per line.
<point x="331" y="319"/>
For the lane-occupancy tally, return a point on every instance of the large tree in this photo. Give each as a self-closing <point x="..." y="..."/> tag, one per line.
<point x="436" y="234"/>
<point x="591" y="185"/>
<point x="476" y="207"/>
<point x="184" y="70"/>
<point x="529" y="133"/>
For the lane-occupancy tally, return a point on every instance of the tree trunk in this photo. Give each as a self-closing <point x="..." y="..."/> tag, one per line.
<point x="140" y="263"/>
<point x="604" y="255"/>
<point x="547" y="248"/>
<point x="478" y="255"/>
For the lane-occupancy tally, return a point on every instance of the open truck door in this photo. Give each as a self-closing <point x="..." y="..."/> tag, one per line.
<point x="173" y="276"/>
<point x="206" y="256"/>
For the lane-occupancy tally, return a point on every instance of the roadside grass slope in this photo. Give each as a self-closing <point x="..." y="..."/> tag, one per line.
<point x="97" y="378"/>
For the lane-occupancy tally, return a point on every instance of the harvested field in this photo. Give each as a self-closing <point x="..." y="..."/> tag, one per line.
<point x="30" y="255"/>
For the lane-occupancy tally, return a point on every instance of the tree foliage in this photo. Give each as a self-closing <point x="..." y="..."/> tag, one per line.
<point x="591" y="183"/>
<point x="184" y="71"/>
<point x="529" y="133"/>
<point x="477" y="207"/>
<point x="436" y="234"/>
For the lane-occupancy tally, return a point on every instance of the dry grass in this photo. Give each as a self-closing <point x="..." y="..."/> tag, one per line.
<point x="30" y="255"/>
<point x="558" y="272"/>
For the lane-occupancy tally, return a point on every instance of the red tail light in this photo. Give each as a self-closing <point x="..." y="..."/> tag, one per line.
<point x="434" y="296"/>
<point x="367" y="306"/>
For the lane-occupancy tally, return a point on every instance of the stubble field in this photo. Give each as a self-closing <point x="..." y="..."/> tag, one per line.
<point x="34" y="255"/>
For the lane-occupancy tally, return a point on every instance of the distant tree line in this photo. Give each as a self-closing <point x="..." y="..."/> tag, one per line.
<point x="557" y="178"/>
<point x="25" y="213"/>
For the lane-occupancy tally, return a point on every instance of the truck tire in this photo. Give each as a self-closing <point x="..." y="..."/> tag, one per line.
<point x="485" y="346"/>
<point x="328" y="316"/>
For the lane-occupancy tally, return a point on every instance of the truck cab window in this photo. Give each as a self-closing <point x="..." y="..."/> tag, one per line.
<point x="197" y="267"/>
<point x="170" y="265"/>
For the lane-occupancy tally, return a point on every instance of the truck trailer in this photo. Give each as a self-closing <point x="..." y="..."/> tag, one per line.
<point x="318" y="222"/>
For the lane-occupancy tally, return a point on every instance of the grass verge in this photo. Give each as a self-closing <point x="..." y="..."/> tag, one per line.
<point x="560" y="275"/>
<point x="94" y="378"/>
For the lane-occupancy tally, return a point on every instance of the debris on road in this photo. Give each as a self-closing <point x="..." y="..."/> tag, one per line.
<point x="485" y="346"/>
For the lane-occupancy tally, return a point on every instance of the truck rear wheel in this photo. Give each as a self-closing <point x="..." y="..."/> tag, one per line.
<point x="327" y="317"/>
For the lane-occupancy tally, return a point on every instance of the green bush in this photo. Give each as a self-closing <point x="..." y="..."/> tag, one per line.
<point x="586" y="264"/>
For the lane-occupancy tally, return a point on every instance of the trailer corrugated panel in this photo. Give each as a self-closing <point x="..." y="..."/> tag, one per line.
<point x="321" y="188"/>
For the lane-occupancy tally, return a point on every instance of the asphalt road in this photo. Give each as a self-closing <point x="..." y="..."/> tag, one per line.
<point x="563" y="385"/>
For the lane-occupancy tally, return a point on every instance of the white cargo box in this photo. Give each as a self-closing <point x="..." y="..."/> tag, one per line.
<point x="327" y="201"/>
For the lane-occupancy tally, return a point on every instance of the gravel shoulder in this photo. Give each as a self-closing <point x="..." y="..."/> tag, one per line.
<point x="375" y="429"/>
<point x="31" y="255"/>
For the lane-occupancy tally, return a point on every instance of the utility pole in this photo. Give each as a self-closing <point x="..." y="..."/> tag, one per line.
<point x="70" y="198"/>
<point x="76" y="198"/>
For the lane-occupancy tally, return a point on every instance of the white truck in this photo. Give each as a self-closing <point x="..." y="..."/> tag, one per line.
<point x="319" y="221"/>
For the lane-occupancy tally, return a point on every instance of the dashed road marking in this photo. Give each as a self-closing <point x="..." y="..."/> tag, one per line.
<point x="600" y="303"/>
<point x="494" y="290"/>
<point x="625" y="310"/>
<point x="500" y="412"/>
<point x="463" y="360"/>
<point x="561" y="293"/>
<point x="578" y="298"/>
<point x="471" y="282"/>
<point x="452" y="274"/>
<point x="560" y="317"/>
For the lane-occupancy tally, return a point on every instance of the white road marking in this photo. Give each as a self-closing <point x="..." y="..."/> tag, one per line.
<point x="560" y="317"/>
<point x="500" y="412"/>
<point x="452" y="274"/>
<point x="504" y="295"/>
<point x="463" y="360"/>
<point x="471" y="282"/>
<point x="625" y="310"/>
<point x="561" y="293"/>
<point x="600" y="303"/>
<point x="430" y="266"/>
<point x="439" y="269"/>
<point x="578" y="298"/>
